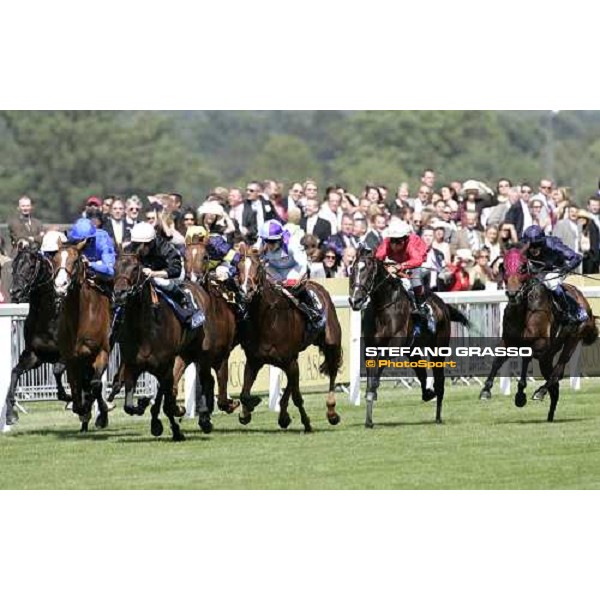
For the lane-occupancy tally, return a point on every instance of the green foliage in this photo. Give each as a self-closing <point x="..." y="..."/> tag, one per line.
<point x="60" y="157"/>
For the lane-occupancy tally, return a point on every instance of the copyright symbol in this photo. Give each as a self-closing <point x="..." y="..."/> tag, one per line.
<point x="370" y="363"/>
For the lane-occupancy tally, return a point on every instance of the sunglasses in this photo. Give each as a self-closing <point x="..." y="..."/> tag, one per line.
<point x="133" y="209"/>
<point x="526" y="191"/>
<point x="330" y="256"/>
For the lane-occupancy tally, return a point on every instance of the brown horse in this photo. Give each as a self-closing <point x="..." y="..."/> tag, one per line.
<point x="531" y="320"/>
<point x="32" y="281"/>
<point x="83" y="330"/>
<point x="389" y="320"/>
<point x="220" y="337"/>
<point x="276" y="333"/>
<point x="150" y="338"/>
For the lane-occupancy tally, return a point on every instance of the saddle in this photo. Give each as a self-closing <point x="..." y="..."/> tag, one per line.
<point x="189" y="317"/>
<point x="308" y="303"/>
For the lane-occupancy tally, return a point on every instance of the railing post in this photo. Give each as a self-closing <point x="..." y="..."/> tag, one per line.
<point x="6" y="364"/>
<point x="355" y="335"/>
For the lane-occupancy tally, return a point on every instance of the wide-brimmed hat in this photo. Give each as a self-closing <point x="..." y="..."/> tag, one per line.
<point x="211" y="207"/>
<point x="584" y="214"/>
<point x="465" y="254"/>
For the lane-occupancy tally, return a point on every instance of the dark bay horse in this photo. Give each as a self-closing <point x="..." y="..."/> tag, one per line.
<point x="83" y="332"/>
<point x="220" y="335"/>
<point x="33" y="282"/>
<point x="530" y="319"/>
<point x="393" y="323"/>
<point x="150" y="338"/>
<point x="276" y="333"/>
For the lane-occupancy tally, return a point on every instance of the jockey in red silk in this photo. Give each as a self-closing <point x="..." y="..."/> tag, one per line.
<point x="546" y="254"/>
<point x="404" y="250"/>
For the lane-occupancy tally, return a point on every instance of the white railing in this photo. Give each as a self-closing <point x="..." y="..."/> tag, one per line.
<point x="484" y="308"/>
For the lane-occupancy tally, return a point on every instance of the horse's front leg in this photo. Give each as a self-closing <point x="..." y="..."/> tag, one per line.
<point x="225" y="403"/>
<point x="521" y="396"/>
<point x="486" y="393"/>
<point x="27" y="361"/>
<point x="373" y="377"/>
<point x="249" y="402"/>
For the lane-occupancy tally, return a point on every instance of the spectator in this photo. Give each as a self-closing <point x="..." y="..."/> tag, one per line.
<point x="518" y="214"/>
<point x="508" y="237"/>
<point x="481" y="274"/>
<point x="428" y="178"/>
<point x="423" y="198"/>
<point x="242" y="215"/>
<point x="188" y="220"/>
<point x="348" y="258"/>
<point x="494" y="215"/>
<point x="92" y="202"/>
<point x="373" y="194"/>
<point x="402" y="198"/>
<point x="359" y="228"/>
<point x="24" y="226"/>
<point x="502" y="188"/>
<point x="439" y="240"/>
<point x="150" y="216"/>
<point x="331" y="209"/>
<point x="559" y="202"/>
<point x="491" y="243"/>
<point x="115" y="225"/>
<point x="294" y="196"/>
<point x="568" y="231"/>
<point x="133" y="207"/>
<point x="374" y="235"/>
<point x="260" y="205"/>
<point x="434" y="262"/>
<point x="461" y="281"/>
<point x="313" y="224"/>
<point x="311" y="190"/>
<point x="5" y="272"/>
<point x="106" y="205"/>
<point x="332" y="261"/>
<point x="211" y="216"/>
<point x="280" y="204"/>
<point x="311" y="243"/>
<point x="589" y="242"/>
<point x="293" y="226"/>
<point x="345" y="238"/>
<point x="537" y="218"/>
<point x="593" y="207"/>
<point x="349" y="204"/>
<point x="544" y="195"/>
<point x="469" y="237"/>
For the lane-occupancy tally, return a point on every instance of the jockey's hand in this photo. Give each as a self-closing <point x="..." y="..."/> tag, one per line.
<point x="148" y="272"/>
<point x="85" y="260"/>
<point x="392" y="268"/>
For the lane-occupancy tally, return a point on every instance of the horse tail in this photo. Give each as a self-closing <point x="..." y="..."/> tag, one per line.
<point x="457" y="316"/>
<point x="334" y="352"/>
<point x="590" y="333"/>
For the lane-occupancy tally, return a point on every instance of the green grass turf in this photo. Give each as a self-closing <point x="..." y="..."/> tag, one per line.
<point x="481" y="445"/>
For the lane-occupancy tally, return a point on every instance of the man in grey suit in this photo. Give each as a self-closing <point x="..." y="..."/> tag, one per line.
<point x="24" y="226"/>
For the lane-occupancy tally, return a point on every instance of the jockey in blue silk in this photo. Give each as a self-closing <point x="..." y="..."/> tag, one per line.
<point x="547" y="254"/>
<point x="99" y="249"/>
<point x="288" y="266"/>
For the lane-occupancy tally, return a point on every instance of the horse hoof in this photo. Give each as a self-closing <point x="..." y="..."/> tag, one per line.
<point x="251" y="402"/>
<point x="143" y="404"/>
<point x="284" y="421"/>
<point x="228" y="407"/>
<point x="84" y="428"/>
<point x="539" y="395"/>
<point x="156" y="427"/>
<point x="179" y="411"/>
<point x="132" y="411"/>
<point x="205" y="425"/>
<point x="520" y="400"/>
<point x="101" y="421"/>
<point x="438" y="422"/>
<point x="12" y="419"/>
<point x="333" y="419"/>
<point x="368" y="425"/>
<point x="485" y="395"/>
<point x="244" y="420"/>
<point x="178" y="436"/>
<point x="308" y="429"/>
<point x="428" y="395"/>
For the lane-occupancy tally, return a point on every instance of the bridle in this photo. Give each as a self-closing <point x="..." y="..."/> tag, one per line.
<point x="135" y="285"/>
<point x="33" y="283"/>
<point x="370" y="287"/>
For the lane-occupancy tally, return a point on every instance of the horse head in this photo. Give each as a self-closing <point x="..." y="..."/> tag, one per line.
<point x="515" y="273"/>
<point x="26" y="271"/>
<point x="362" y="278"/>
<point x="196" y="260"/>
<point x="128" y="277"/>
<point x="249" y="272"/>
<point x="68" y="267"/>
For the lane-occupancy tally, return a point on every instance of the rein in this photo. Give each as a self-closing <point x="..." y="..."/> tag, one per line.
<point x="33" y="284"/>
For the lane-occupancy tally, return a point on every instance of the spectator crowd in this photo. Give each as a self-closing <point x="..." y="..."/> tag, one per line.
<point x="467" y="226"/>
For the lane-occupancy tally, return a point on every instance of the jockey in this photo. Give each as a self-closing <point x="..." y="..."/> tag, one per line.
<point x="287" y="265"/>
<point x="99" y="249"/>
<point x="404" y="250"/>
<point x="161" y="261"/>
<point x="545" y="255"/>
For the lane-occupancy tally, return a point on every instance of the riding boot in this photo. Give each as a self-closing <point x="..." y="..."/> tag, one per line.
<point x="181" y="297"/>
<point x="423" y="309"/>
<point x="570" y="308"/>
<point x="312" y="314"/>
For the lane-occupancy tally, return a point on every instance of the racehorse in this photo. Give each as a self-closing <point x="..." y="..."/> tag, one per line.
<point x="83" y="330"/>
<point x="276" y="333"/>
<point x="530" y="319"/>
<point x="220" y="336"/>
<point x="150" y="338"/>
<point x="33" y="282"/>
<point x="392" y="322"/>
